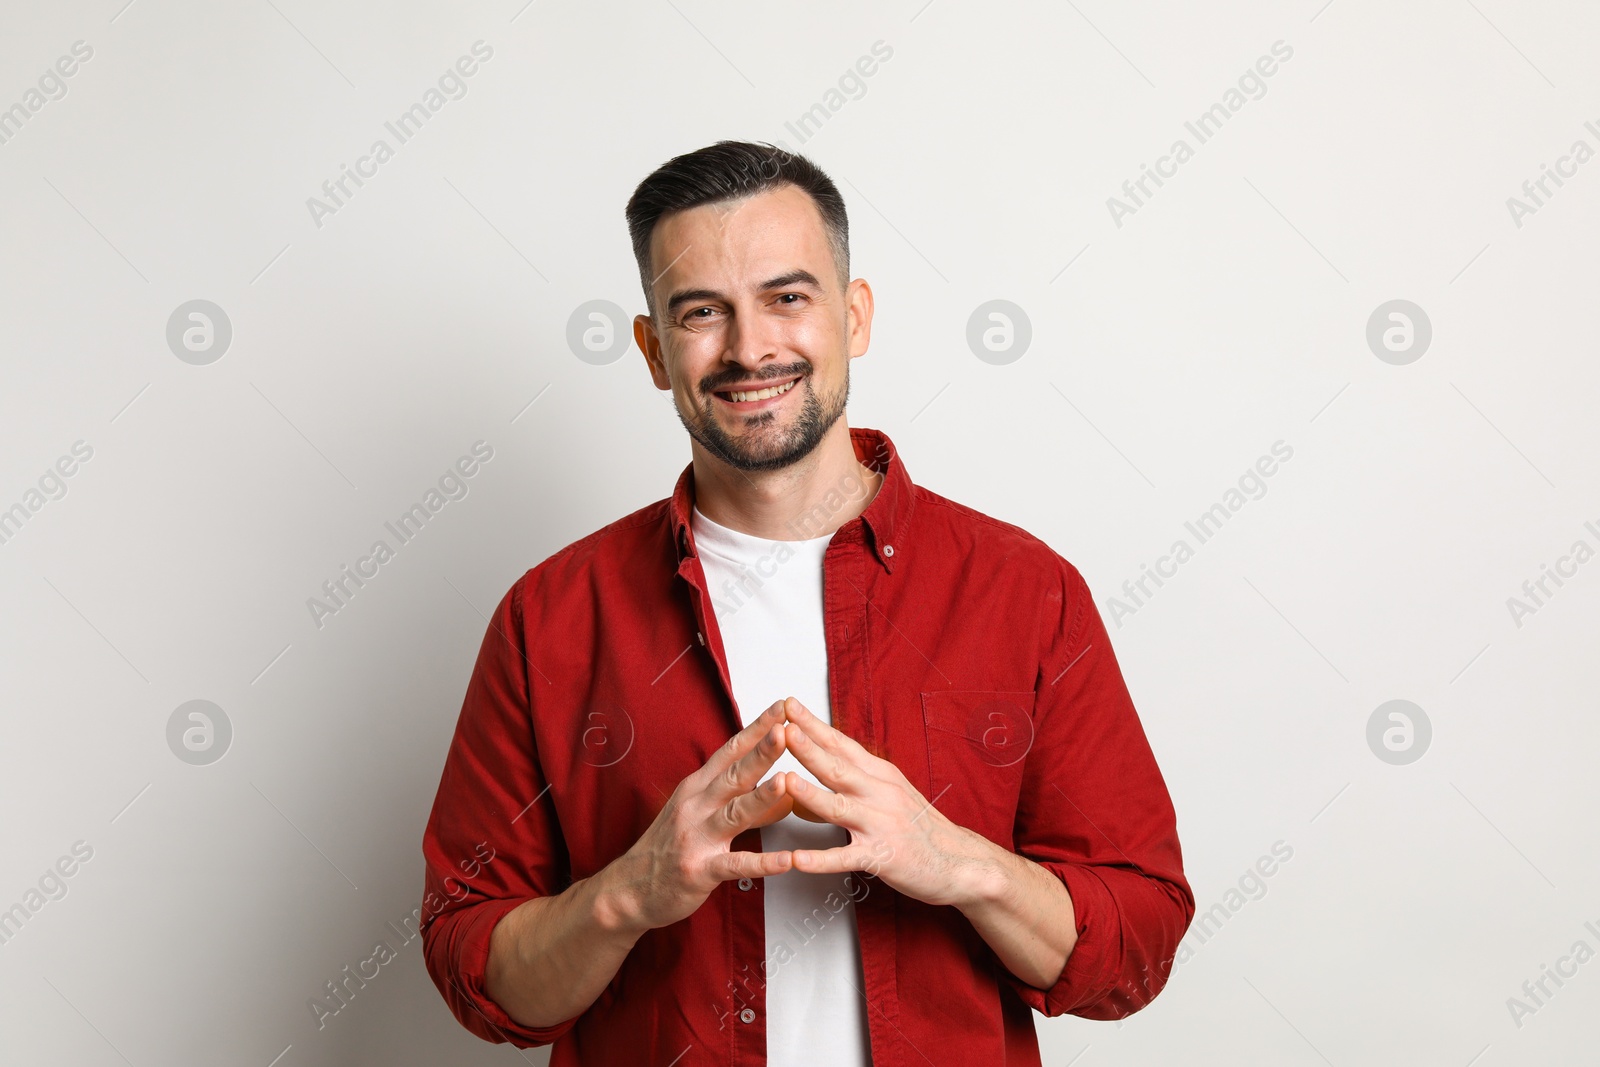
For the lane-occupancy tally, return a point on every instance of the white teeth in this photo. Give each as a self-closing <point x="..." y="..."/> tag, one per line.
<point x="763" y="394"/>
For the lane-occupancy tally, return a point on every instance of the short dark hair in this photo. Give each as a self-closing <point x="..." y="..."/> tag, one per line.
<point x="731" y="170"/>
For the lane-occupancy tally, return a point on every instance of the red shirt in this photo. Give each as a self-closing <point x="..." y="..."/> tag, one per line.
<point x="961" y="648"/>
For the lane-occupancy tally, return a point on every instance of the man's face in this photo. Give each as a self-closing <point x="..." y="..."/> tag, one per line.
<point x="748" y="301"/>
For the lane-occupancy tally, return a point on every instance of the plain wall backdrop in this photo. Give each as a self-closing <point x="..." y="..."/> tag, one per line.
<point x="1150" y="352"/>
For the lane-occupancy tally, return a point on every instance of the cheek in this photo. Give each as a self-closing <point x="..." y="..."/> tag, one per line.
<point x="686" y="392"/>
<point x="816" y="338"/>
<point x="697" y="356"/>
<point x="686" y="395"/>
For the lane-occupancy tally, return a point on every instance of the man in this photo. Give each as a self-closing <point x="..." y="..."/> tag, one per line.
<point x="964" y="818"/>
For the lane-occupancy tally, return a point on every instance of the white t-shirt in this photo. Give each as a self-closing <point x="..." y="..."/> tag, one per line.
<point x="767" y="596"/>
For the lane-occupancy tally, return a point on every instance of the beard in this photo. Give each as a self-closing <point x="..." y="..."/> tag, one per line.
<point x="765" y="446"/>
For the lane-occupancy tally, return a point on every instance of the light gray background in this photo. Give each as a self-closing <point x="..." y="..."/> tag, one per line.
<point x="1167" y="354"/>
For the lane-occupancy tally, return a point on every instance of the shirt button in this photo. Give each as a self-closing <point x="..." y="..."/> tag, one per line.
<point x="701" y="636"/>
<point x="747" y="1016"/>
<point x="745" y="883"/>
<point x="888" y="550"/>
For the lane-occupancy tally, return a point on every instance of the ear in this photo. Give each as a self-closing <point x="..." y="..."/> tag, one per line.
<point x="858" y="317"/>
<point x="644" y="335"/>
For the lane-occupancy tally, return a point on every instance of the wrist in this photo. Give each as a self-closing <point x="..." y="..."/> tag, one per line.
<point x="982" y="876"/>
<point x="615" y="903"/>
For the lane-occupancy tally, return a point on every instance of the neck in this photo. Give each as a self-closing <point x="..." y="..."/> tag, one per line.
<point x="810" y="498"/>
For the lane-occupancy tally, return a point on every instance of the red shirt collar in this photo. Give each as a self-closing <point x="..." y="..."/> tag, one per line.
<point x="886" y="519"/>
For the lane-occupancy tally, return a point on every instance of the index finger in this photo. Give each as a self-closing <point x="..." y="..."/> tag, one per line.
<point x="742" y="742"/>
<point x="828" y="737"/>
<point x="838" y="761"/>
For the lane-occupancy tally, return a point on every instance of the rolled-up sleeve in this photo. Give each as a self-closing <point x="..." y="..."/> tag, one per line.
<point x="493" y="840"/>
<point x="1095" y="812"/>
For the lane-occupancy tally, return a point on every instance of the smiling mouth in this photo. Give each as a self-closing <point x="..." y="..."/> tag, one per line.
<point x="745" y="396"/>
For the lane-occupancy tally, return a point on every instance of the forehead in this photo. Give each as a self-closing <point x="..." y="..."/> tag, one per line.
<point x="736" y="243"/>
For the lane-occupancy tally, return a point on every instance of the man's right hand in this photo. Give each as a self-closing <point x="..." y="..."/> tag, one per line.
<point x="686" y="853"/>
<point x="552" y="956"/>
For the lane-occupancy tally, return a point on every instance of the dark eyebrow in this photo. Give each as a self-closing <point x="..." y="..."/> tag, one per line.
<point x="794" y="277"/>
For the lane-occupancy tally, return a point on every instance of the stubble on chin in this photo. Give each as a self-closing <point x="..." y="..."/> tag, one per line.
<point x="776" y="449"/>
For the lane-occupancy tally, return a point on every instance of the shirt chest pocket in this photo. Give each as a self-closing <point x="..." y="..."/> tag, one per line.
<point x="977" y="744"/>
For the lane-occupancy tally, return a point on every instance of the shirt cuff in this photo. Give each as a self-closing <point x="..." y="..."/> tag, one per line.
<point x="1091" y="974"/>
<point x="466" y="950"/>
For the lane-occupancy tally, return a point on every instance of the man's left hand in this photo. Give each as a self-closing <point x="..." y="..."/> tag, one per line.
<point x="895" y="834"/>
